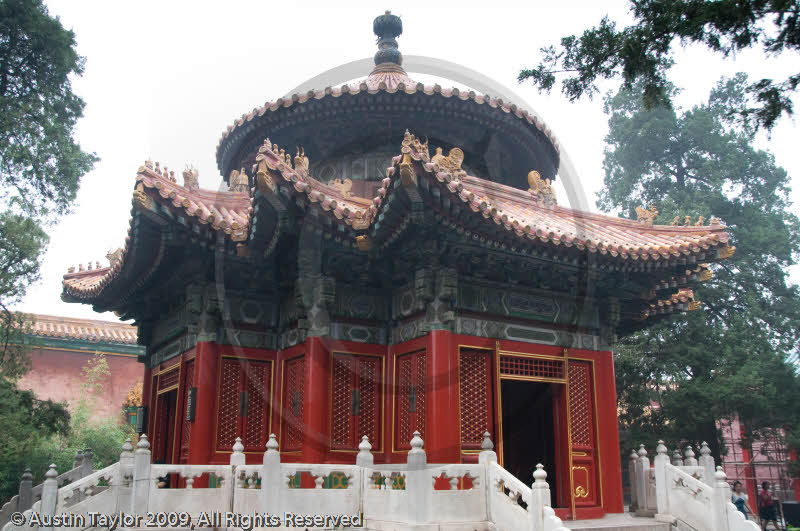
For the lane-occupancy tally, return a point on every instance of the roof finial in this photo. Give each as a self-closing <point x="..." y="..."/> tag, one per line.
<point x="387" y="27"/>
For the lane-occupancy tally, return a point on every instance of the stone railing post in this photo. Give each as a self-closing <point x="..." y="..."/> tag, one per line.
<point x="49" y="494"/>
<point x="661" y="461"/>
<point x="418" y="483"/>
<point x="632" y="466"/>
<point x="365" y="457"/>
<point x="720" y="500"/>
<point x="707" y="462"/>
<point x="677" y="460"/>
<point x="237" y="456"/>
<point x="487" y="455"/>
<point x="642" y="472"/>
<point x="485" y="458"/>
<point x="86" y="466"/>
<point x="272" y="484"/>
<point x="77" y="462"/>
<point x="689" y="459"/>
<point x="540" y="498"/>
<point x="140" y="497"/>
<point x="126" y="460"/>
<point x="25" y="500"/>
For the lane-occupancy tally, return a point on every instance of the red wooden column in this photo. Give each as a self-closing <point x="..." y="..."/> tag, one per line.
<point x="608" y="433"/>
<point x="201" y="445"/>
<point x="442" y="430"/>
<point x="147" y="389"/>
<point x="316" y="397"/>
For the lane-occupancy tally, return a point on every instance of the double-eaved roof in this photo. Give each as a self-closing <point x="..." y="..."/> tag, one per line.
<point x="496" y="215"/>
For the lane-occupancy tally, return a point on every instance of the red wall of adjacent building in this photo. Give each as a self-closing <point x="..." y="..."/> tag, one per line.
<point x="58" y="374"/>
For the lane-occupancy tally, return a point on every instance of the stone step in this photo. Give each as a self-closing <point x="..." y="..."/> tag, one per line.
<point x="618" y="522"/>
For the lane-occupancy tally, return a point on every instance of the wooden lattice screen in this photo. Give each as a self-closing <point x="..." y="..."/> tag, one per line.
<point x="410" y="398"/>
<point x="475" y="397"/>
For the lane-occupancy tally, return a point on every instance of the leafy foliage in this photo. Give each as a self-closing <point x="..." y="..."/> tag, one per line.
<point x="51" y="435"/>
<point x="40" y="162"/>
<point x="729" y="358"/>
<point x="641" y="54"/>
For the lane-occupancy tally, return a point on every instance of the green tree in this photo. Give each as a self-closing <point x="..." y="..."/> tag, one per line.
<point x="40" y="162"/>
<point x="729" y="358"/>
<point x="641" y="53"/>
<point x="36" y="433"/>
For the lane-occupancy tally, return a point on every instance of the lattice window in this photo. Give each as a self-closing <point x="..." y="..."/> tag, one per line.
<point x="356" y="401"/>
<point x="475" y="396"/>
<point x="229" y="396"/>
<point x="259" y="380"/>
<point x="580" y="404"/>
<point x="294" y="387"/>
<point x="168" y="379"/>
<point x="531" y="367"/>
<point x="186" y="426"/>
<point x="410" y="398"/>
<point x="342" y="390"/>
<point x="369" y="397"/>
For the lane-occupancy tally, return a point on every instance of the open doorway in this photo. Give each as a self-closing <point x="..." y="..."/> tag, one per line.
<point x="529" y="430"/>
<point x="166" y="427"/>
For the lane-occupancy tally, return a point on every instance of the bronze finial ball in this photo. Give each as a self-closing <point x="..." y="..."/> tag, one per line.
<point x="387" y="27"/>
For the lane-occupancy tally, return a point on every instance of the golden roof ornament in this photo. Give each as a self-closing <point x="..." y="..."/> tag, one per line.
<point x="450" y="163"/>
<point x="191" y="178"/>
<point x="541" y="188"/>
<point x="140" y="197"/>
<point x="301" y="161"/>
<point x="411" y="142"/>
<point x="239" y="182"/>
<point x="114" y="257"/>
<point x="646" y="216"/>
<point x="263" y="177"/>
<point x="343" y="186"/>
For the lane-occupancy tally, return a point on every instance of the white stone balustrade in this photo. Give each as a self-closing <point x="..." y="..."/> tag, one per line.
<point x="685" y="490"/>
<point x="481" y="496"/>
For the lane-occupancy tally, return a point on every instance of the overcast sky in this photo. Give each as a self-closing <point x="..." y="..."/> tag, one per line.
<point x="164" y="79"/>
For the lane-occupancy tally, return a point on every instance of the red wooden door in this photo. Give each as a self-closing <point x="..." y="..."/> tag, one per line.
<point x="356" y="401"/>
<point x="292" y="404"/>
<point x="476" y="405"/>
<point x="409" y="398"/>
<point x="585" y="487"/>
<point x="244" y="403"/>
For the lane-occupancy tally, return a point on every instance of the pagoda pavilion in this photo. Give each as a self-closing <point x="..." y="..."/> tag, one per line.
<point x="407" y="267"/>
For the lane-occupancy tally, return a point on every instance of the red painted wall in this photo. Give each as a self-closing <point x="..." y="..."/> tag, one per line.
<point x="57" y="375"/>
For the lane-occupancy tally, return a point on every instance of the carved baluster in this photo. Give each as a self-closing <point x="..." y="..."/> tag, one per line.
<point x="319" y="481"/>
<point x="365" y="457"/>
<point x="689" y="456"/>
<point x="454" y="483"/>
<point x="677" y="460"/>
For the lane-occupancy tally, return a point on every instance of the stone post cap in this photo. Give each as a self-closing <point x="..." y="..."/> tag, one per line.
<point x="238" y="447"/>
<point x="143" y="443"/>
<point x="539" y="475"/>
<point x="88" y="454"/>
<point x="127" y="446"/>
<point x="642" y="451"/>
<point x="364" y="445"/>
<point x="689" y="451"/>
<point x="704" y="449"/>
<point x="487" y="443"/>
<point x="51" y="472"/>
<point x="661" y="448"/>
<point x="27" y="475"/>
<point x="634" y="455"/>
<point x="272" y="443"/>
<point x="416" y="442"/>
<point x="720" y="476"/>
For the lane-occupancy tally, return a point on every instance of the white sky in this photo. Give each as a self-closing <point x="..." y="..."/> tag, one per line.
<point x="164" y="79"/>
